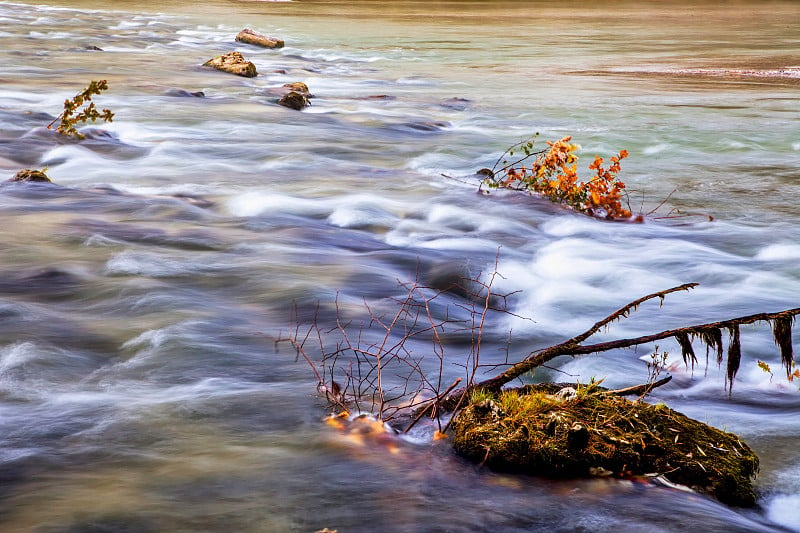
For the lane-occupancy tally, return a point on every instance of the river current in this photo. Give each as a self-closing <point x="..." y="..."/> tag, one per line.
<point x="140" y="388"/>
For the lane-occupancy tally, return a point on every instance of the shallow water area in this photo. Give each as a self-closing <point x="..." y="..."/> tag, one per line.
<point x="140" y="387"/>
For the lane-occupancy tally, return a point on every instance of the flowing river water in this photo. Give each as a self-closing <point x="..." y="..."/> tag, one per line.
<point x="139" y="387"/>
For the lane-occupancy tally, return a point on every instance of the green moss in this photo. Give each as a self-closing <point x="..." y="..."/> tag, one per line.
<point x="535" y="431"/>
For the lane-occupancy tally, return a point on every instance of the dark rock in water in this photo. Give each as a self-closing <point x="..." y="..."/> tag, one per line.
<point x="233" y="63"/>
<point x="50" y="279"/>
<point x="108" y="143"/>
<point x="49" y="283"/>
<point x="294" y="100"/>
<point x="182" y="93"/>
<point x="194" y="200"/>
<point x="294" y="95"/>
<point x="82" y="229"/>
<point x="31" y="175"/>
<point x="458" y="104"/>
<point x="428" y="126"/>
<point x="456" y="279"/>
<point x="451" y="278"/>
<point x="386" y="97"/>
<point x="248" y="36"/>
<point x="97" y="134"/>
<point x="543" y="430"/>
<point x="28" y="148"/>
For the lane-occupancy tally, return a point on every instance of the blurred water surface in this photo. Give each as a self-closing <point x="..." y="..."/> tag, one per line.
<point x="139" y="388"/>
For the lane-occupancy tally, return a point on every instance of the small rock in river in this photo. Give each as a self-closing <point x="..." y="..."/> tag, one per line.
<point x="298" y="87"/>
<point x="233" y="63"/>
<point x="248" y="36"/>
<point x="31" y="175"/>
<point x="283" y="90"/>
<point x="183" y="93"/>
<point x="376" y="97"/>
<point x="293" y="95"/>
<point x="458" y="104"/>
<point x="294" y="100"/>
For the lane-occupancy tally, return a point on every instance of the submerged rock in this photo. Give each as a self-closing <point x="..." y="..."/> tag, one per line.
<point x="387" y="97"/>
<point x="233" y="63"/>
<point x="457" y="104"/>
<point x="31" y="175"/>
<point x="584" y="431"/>
<point x="183" y="93"/>
<point x="248" y="36"/>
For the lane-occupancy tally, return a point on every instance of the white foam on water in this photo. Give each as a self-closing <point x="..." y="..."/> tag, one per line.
<point x="152" y="338"/>
<point x="170" y="189"/>
<point x="783" y="510"/>
<point x="779" y="252"/>
<point x="17" y="355"/>
<point x="450" y="215"/>
<point x="257" y="203"/>
<point x="466" y="244"/>
<point x="339" y="55"/>
<point x="126" y="25"/>
<point x="360" y="215"/>
<point x="656" y="148"/>
<point x="134" y="263"/>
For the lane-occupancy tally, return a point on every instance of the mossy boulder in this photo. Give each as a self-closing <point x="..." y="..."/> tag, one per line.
<point x="574" y="432"/>
<point x="248" y="36"/>
<point x="233" y="63"/>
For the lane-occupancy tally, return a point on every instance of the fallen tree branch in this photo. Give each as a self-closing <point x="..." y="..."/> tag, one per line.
<point x="361" y="362"/>
<point x="708" y="333"/>
<point x="640" y="390"/>
<point x="626" y="310"/>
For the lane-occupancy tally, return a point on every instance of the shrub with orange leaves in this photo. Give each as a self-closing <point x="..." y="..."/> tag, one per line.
<point x="553" y="174"/>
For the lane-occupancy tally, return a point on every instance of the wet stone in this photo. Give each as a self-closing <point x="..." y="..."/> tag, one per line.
<point x="293" y="95"/>
<point x="248" y="36"/>
<point x="296" y="97"/>
<point x="31" y="176"/>
<point x="183" y="93"/>
<point x="233" y="63"/>
<point x="456" y="104"/>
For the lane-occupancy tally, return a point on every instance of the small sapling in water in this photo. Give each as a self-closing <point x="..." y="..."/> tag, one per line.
<point x="81" y="109"/>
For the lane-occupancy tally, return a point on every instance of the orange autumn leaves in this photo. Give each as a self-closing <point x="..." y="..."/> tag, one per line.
<point x="553" y="174"/>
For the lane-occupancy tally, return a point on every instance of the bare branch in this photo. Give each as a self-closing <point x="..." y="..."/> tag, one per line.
<point x="640" y="390"/>
<point x="626" y="310"/>
<point x="571" y="348"/>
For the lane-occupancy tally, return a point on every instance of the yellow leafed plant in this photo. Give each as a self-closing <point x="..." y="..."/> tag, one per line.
<point x="553" y="174"/>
